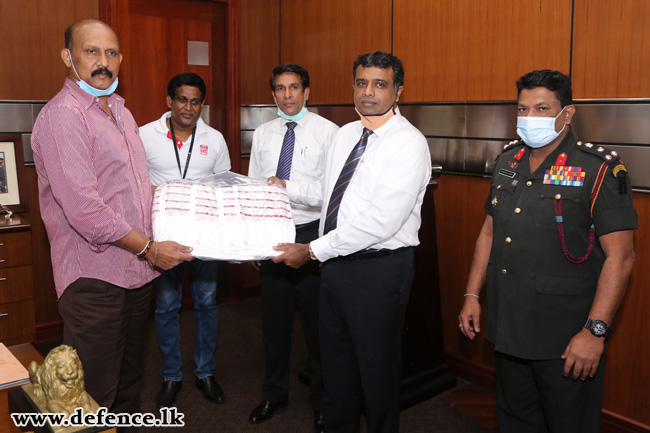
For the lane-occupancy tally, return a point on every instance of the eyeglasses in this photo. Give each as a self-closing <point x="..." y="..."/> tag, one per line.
<point x="183" y="100"/>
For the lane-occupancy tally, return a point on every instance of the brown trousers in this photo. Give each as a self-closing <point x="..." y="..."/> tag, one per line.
<point x="107" y="326"/>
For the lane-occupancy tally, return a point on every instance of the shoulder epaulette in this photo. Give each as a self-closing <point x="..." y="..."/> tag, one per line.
<point x="510" y="145"/>
<point x="611" y="159"/>
<point x="610" y="156"/>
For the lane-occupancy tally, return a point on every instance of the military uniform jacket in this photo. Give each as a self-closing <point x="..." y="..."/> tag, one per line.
<point x="537" y="299"/>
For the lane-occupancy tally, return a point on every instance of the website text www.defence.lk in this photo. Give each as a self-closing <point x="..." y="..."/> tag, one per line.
<point x="168" y="417"/>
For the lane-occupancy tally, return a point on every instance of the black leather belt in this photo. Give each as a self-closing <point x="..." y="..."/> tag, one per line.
<point x="368" y="254"/>
<point x="307" y="226"/>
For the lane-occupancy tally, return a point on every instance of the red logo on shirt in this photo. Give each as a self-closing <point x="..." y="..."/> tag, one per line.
<point x="204" y="150"/>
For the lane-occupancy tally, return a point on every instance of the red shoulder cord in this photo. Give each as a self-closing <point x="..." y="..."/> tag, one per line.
<point x="592" y="231"/>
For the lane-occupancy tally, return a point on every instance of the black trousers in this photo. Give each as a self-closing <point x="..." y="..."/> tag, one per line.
<point x="107" y="326"/>
<point x="280" y="286"/>
<point x="363" y="305"/>
<point x="535" y="397"/>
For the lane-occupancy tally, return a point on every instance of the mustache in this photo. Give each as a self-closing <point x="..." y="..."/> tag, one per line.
<point x="106" y="71"/>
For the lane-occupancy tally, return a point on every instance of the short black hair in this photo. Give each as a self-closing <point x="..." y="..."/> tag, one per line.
<point x="291" y="68"/>
<point x="379" y="59"/>
<point x="186" y="79"/>
<point x="554" y="81"/>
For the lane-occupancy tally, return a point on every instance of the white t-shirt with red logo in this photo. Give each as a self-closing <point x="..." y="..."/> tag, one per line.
<point x="209" y="153"/>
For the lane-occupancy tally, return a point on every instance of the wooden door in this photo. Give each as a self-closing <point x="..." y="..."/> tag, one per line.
<point x="154" y="39"/>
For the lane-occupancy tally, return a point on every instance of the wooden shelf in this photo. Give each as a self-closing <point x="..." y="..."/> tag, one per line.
<point x="17" y="308"/>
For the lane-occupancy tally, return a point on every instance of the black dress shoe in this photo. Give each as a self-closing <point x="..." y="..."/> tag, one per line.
<point x="265" y="410"/>
<point x="319" y="422"/>
<point x="211" y="389"/>
<point x="167" y="395"/>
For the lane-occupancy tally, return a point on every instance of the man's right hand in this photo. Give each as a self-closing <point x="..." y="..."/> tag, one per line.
<point x="470" y="317"/>
<point x="167" y="254"/>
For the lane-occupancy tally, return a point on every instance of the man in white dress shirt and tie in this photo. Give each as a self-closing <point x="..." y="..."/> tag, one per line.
<point x="377" y="172"/>
<point x="293" y="146"/>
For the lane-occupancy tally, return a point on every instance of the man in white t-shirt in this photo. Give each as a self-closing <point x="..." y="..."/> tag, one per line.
<point x="180" y="145"/>
<point x="293" y="146"/>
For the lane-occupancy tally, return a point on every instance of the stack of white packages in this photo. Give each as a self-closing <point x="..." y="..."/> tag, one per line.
<point x="226" y="216"/>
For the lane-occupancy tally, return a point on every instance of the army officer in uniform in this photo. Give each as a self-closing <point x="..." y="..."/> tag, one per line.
<point x="556" y="251"/>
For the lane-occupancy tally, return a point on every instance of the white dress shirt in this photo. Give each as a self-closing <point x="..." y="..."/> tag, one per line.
<point x="313" y="137"/>
<point x="381" y="206"/>
<point x="209" y="154"/>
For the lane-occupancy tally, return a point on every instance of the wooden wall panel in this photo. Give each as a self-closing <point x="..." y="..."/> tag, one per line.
<point x="327" y="36"/>
<point x="459" y="215"/>
<point x="31" y="32"/>
<point x="627" y="371"/>
<point x="260" y="48"/>
<point x="467" y="50"/>
<point x="220" y="87"/>
<point x="153" y="89"/>
<point x="611" y="55"/>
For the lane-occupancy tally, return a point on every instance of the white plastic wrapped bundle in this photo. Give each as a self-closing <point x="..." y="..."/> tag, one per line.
<point x="226" y="216"/>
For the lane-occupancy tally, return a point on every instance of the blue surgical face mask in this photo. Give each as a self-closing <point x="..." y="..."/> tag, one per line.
<point x="537" y="132"/>
<point x="295" y="117"/>
<point x="90" y="89"/>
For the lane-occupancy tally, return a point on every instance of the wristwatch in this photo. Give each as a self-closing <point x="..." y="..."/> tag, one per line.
<point x="311" y="253"/>
<point x="598" y="328"/>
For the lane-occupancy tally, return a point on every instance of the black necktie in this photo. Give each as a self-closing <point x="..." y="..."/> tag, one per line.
<point x="344" y="180"/>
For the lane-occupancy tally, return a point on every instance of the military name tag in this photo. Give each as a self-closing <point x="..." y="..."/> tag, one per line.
<point x="508" y="173"/>
<point x="564" y="175"/>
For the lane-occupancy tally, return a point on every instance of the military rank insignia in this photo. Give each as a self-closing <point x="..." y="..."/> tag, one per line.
<point x="618" y="169"/>
<point x="564" y="175"/>
<point x="619" y="173"/>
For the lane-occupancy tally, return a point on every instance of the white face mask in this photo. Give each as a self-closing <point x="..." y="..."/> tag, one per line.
<point x="537" y="132"/>
<point x="90" y="89"/>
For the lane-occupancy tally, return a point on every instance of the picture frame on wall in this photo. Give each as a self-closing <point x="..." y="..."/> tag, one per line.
<point x="13" y="187"/>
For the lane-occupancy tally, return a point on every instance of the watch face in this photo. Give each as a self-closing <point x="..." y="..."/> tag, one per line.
<point x="599" y="328"/>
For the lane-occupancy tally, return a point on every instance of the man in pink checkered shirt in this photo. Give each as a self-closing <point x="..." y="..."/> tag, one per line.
<point x="95" y="200"/>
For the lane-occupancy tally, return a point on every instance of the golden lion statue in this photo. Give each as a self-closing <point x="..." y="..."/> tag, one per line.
<point x="60" y="380"/>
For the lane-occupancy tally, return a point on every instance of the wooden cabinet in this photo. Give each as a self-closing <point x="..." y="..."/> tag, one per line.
<point x="17" y="311"/>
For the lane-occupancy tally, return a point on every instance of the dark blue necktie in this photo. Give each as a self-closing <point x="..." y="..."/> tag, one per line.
<point x="344" y="180"/>
<point x="286" y="154"/>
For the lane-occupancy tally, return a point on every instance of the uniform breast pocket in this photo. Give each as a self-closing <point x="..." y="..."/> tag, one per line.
<point x="565" y="203"/>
